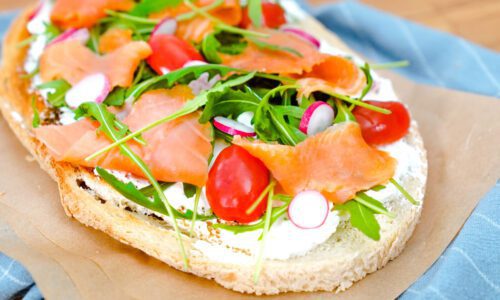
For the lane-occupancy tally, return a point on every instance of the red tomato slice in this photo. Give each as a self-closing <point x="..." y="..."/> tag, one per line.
<point x="170" y="53"/>
<point x="380" y="129"/>
<point x="272" y="13"/>
<point x="235" y="181"/>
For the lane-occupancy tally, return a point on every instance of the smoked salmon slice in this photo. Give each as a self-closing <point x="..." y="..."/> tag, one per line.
<point x="254" y="58"/>
<point x="84" y="13"/>
<point x="175" y="151"/>
<point x="229" y="12"/>
<point x="335" y="74"/>
<point x="197" y="28"/>
<point x="114" y="38"/>
<point x="336" y="162"/>
<point x="73" y="61"/>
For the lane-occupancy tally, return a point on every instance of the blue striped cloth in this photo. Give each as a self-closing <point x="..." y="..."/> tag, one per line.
<point x="470" y="267"/>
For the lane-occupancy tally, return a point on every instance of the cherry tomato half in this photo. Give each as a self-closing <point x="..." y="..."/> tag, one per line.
<point x="170" y="53"/>
<point x="380" y="129"/>
<point x="273" y="16"/>
<point x="234" y="183"/>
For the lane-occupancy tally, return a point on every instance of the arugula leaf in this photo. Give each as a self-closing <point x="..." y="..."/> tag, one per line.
<point x="270" y="125"/>
<point x="229" y="102"/>
<point x="361" y="218"/>
<point x="343" y="113"/>
<point x="36" y="116"/>
<point x="290" y="110"/>
<point x="189" y="190"/>
<point x="255" y="12"/>
<point x="231" y="43"/>
<point x="404" y="192"/>
<point x="373" y="204"/>
<point x="265" y="45"/>
<point x="223" y="42"/>
<point x="58" y="89"/>
<point x="147" y="7"/>
<point x="116" y="97"/>
<point x="51" y="31"/>
<point x="149" y="190"/>
<point x="209" y="49"/>
<point x="130" y="191"/>
<point x="369" y="81"/>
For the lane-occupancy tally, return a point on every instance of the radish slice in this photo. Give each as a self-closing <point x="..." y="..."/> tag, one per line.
<point x="37" y="10"/>
<point x="194" y="63"/>
<point x="245" y="118"/>
<point x="81" y="35"/>
<point x="166" y="26"/>
<point x="317" y="117"/>
<point x="93" y="88"/>
<point x="233" y="127"/>
<point x="304" y="35"/>
<point x="308" y="210"/>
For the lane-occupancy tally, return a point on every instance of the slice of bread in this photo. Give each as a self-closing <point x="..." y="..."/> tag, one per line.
<point x="346" y="257"/>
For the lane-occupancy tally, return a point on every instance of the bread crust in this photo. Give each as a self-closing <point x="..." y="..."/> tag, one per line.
<point x="345" y="258"/>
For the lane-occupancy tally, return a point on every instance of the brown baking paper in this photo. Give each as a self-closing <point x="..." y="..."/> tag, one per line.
<point x="70" y="261"/>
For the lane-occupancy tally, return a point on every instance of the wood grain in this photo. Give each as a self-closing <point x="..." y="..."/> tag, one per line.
<point x="477" y="21"/>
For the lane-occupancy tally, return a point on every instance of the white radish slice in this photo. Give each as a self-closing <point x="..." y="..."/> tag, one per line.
<point x="308" y="210"/>
<point x="245" y="118"/>
<point x="194" y="63"/>
<point x="304" y="35"/>
<point x="166" y="26"/>
<point x="233" y="127"/>
<point x="37" y="10"/>
<point x="93" y="88"/>
<point x="317" y="117"/>
<point x="81" y="35"/>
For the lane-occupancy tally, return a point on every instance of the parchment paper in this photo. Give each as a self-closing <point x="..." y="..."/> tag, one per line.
<point x="69" y="261"/>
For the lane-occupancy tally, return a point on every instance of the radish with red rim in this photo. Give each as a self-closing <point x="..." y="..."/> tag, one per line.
<point x="233" y="127"/>
<point x="166" y="26"/>
<point x="82" y="35"/>
<point x="308" y="210"/>
<point x="92" y="88"/>
<point x="303" y="35"/>
<point x="317" y="117"/>
<point x="37" y="10"/>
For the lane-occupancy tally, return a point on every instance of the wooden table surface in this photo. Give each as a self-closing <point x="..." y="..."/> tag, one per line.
<point x="475" y="20"/>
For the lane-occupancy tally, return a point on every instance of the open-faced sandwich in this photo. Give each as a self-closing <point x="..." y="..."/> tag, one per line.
<point x="237" y="142"/>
